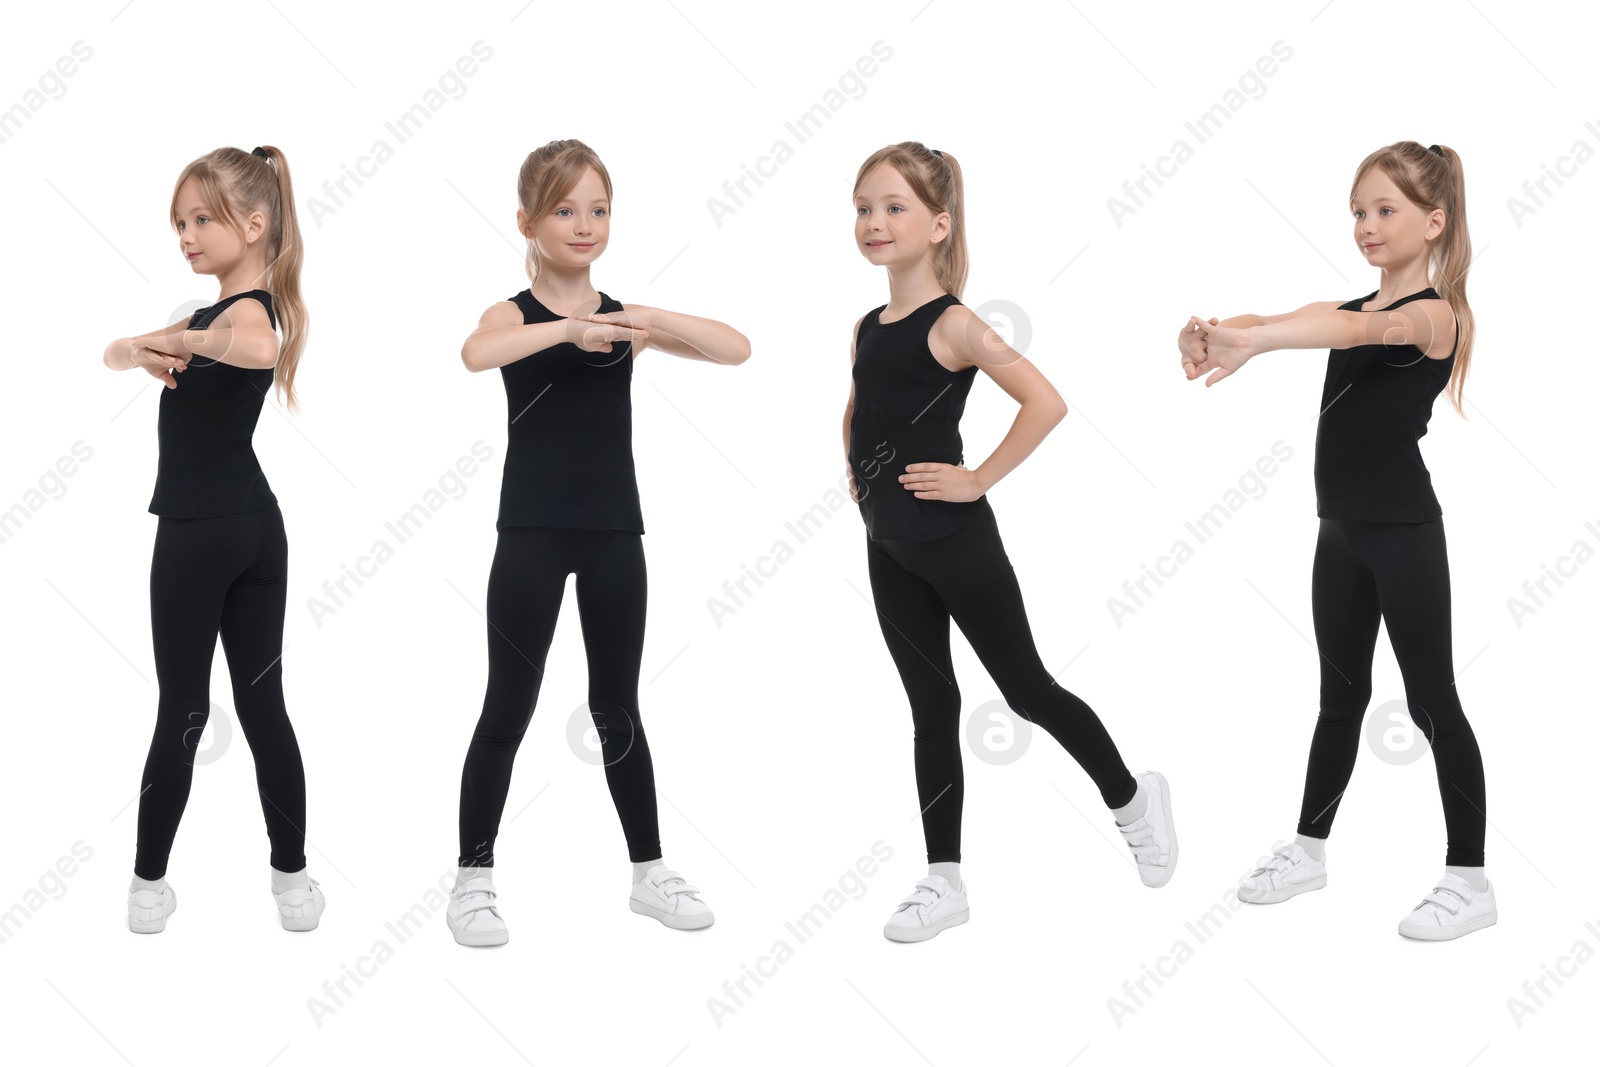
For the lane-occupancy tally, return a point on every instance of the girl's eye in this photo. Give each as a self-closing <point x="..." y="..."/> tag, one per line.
<point x="599" y="211"/>
<point x="895" y="208"/>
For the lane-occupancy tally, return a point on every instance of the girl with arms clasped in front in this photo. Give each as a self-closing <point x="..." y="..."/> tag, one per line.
<point x="569" y="504"/>
<point x="220" y="563"/>
<point x="933" y="547"/>
<point x="1380" y="542"/>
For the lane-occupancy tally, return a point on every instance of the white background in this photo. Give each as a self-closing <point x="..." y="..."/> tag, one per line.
<point x="782" y="739"/>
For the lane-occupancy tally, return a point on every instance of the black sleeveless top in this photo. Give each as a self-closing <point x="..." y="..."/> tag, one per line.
<point x="1376" y="402"/>
<point x="907" y="410"/>
<point x="569" y="448"/>
<point x="207" y="465"/>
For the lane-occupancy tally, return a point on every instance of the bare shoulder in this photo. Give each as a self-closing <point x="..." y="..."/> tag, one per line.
<point x="1439" y="326"/>
<point x="956" y="334"/>
<point x="501" y="313"/>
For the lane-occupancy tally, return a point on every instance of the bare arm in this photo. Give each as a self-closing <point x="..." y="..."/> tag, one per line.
<point x="678" y="334"/>
<point x="119" y="354"/>
<point x="241" y="335"/>
<point x="1428" y="325"/>
<point x="850" y="406"/>
<point x="502" y="337"/>
<point x="960" y="333"/>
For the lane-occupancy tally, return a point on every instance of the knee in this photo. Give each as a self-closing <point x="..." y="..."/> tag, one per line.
<point x="936" y="715"/>
<point x="1342" y="699"/>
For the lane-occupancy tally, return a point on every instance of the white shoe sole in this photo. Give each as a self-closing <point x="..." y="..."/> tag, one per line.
<point x="1278" y="896"/>
<point x="154" y="926"/>
<point x="677" y="922"/>
<point x="923" y="933"/>
<point x="1172" y="837"/>
<point x="1448" y="933"/>
<point x="299" y="925"/>
<point x="479" y="938"/>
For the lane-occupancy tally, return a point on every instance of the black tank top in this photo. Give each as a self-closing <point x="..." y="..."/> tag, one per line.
<point x="569" y="449"/>
<point x="207" y="465"/>
<point x="907" y="410"/>
<point x="1376" y="402"/>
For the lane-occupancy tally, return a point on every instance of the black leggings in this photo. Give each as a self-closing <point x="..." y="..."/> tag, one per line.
<point x="918" y="587"/>
<point x="227" y="575"/>
<point x="526" y="583"/>
<point x="1397" y="570"/>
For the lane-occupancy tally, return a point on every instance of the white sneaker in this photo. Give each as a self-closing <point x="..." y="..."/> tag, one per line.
<point x="663" y="894"/>
<point x="300" y="904"/>
<point x="472" y="914"/>
<point x="148" y="909"/>
<point x="1452" y="909"/>
<point x="1151" y="836"/>
<point x="933" y="906"/>
<point x="1291" y="871"/>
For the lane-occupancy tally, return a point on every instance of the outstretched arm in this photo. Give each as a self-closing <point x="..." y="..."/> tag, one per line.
<point x="678" y="334"/>
<point x="1223" y="348"/>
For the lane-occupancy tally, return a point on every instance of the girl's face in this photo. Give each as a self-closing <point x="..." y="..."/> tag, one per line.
<point x="893" y="227"/>
<point x="575" y="231"/>
<point x="1390" y="230"/>
<point x="210" y="246"/>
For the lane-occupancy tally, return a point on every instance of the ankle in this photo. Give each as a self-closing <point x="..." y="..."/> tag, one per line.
<point x="1133" y="809"/>
<point x="1316" y="847"/>
<point x="949" y="870"/>
<point x="1473" y="876"/>
<point x="640" y="867"/>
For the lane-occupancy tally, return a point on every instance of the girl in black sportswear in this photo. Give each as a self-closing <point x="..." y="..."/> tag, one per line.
<point x="1380" y="545"/>
<point x="569" y="504"/>
<point x="933" y="547"/>
<point x="220" y="559"/>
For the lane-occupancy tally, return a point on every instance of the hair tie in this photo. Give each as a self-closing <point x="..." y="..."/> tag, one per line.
<point x="938" y="153"/>
<point x="1435" y="149"/>
<point x="259" y="151"/>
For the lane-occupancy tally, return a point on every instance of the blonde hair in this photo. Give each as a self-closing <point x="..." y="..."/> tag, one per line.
<point x="935" y="178"/>
<point x="1433" y="180"/>
<point x="547" y="176"/>
<point x="234" y="183"/>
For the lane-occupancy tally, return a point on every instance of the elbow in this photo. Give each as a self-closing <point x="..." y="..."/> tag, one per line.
<point x="469" y="359"/>
<point x="109" y="356"/>
<point x="741" y="351"/>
